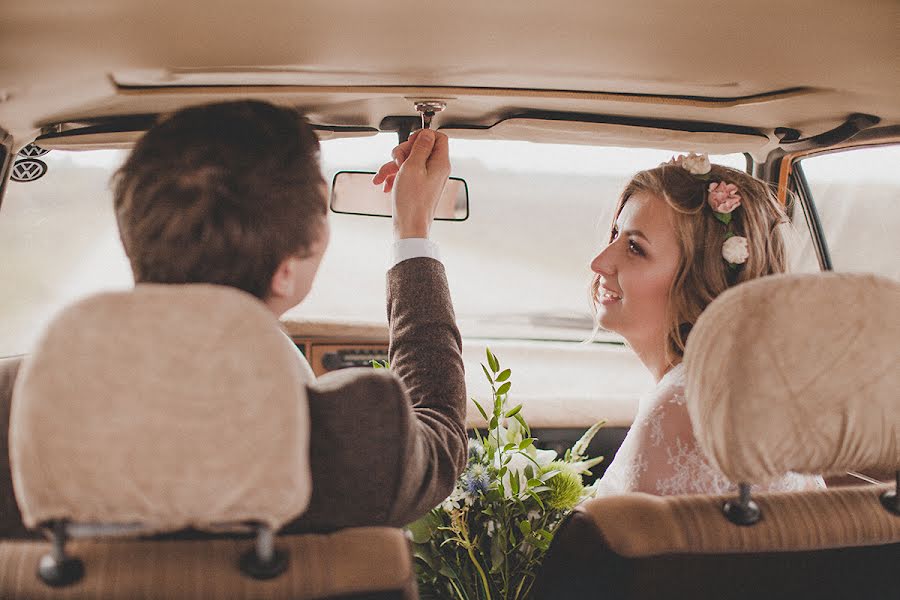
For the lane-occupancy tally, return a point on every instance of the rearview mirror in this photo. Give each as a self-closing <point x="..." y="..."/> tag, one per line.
<point x="353" y="193"/>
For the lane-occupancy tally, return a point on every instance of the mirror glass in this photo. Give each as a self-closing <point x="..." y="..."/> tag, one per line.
<point x="352" y="193"/>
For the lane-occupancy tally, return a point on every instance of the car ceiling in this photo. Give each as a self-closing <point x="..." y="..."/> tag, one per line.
<point x="743" y="68"/>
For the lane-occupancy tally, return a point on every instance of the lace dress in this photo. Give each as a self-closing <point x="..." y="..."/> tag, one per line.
<point x="660" y="454"/>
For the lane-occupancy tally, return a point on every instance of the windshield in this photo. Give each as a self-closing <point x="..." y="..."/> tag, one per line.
<point x="518" y="267"/>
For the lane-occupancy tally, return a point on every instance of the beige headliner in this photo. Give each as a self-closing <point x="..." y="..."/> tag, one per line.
<point x="805" y="64"/>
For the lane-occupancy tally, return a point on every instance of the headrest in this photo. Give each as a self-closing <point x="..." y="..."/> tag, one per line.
<point x="169" y="406"/>
<point x="798" y="373"/>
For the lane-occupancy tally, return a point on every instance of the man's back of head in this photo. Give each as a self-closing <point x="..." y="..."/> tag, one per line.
<point x="222" y="194"/>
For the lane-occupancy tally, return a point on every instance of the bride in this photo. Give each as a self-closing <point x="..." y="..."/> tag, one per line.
<point x="682" y="234"/>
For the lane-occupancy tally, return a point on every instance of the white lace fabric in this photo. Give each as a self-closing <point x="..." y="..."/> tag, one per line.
<point x="660" y="454"/>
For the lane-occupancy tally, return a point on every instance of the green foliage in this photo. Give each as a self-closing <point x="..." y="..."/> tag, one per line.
<point x="487" y="539"/>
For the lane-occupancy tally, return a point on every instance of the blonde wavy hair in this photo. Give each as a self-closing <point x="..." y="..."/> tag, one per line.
<point x="702" y="273"/>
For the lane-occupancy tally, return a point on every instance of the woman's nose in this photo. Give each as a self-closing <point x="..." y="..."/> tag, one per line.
<point x="602" y="263"/>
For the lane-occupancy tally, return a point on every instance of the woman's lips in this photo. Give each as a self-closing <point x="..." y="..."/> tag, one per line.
<point x="607" y="297"/>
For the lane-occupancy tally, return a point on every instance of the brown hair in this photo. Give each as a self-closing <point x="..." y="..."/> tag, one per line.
<point x="702" y="273"/>
<point x="221" y="194"/>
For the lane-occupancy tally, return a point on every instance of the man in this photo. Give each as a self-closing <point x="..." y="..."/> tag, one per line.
<point x="232" y="194"/>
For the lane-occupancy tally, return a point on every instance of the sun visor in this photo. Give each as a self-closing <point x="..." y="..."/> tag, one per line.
<point x="555" y="131"/>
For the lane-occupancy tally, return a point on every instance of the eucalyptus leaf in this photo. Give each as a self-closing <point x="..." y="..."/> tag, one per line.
<point x="480" y="409"/>
<point x="504" y="375"/>
<point x="492" y="360"/>
<point x="549" y="475"/>
<point x="513" y="411"/>
<point x="504" y="388"/>
<point x="537" y="498"/>
<point x="524" y="425"/>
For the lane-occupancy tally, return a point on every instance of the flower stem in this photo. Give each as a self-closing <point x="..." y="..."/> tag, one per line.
<point x="487" y="590"/>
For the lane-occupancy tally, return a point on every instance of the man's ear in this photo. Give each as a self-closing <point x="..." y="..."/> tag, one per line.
<point x="284" y="280"/>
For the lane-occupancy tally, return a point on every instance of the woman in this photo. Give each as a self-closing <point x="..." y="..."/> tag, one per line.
<point x="682" y="234"/>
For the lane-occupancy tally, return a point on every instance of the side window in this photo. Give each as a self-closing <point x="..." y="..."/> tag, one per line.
<point x="856" y="194"/>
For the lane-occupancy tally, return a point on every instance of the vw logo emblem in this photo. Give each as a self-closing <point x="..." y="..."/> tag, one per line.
<point x="32" y="151"/>
<point x="28" y="169"/>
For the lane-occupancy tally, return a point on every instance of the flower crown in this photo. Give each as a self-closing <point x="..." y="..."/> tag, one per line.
<point x="723" y="198"/>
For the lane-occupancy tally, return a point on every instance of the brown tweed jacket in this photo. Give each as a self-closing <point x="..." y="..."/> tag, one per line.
<point x="385" y="447"/>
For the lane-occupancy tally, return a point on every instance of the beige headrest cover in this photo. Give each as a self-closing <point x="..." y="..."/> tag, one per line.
<point x="169" y="406"/>
<point x="798" y="373"/>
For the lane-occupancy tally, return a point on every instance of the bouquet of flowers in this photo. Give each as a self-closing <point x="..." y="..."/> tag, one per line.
<point x="487" y="539"/>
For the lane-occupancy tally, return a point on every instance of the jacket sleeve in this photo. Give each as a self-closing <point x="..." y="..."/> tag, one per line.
<point x="387" y="447"/>
<point x="426" y="356"/>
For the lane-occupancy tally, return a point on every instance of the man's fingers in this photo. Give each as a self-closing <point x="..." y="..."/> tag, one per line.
<point x="401" y="151"/>
<point x="387" y="170"/>
<point x="440" y="155"/>
<point x="422" y="146"/>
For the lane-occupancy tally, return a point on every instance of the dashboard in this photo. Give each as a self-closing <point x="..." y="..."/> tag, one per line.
<point x="564" y="387"/>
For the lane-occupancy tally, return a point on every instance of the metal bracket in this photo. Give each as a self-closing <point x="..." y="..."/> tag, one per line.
<point x="57" y="569"/>
<point x="744" y="511"/>
<point x="790" y="138"/>
<point x="264" y="561"/>
<point x="428" y="108"/>
<point x="891" y="499"/>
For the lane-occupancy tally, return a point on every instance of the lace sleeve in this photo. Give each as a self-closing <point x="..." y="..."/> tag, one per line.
<point x="674" y="462"/>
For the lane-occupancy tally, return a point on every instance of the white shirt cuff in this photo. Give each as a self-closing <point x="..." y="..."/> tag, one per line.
<point x="414" y="248"/>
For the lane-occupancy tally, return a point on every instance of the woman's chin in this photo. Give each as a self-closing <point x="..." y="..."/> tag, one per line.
<point x="605" y="320"/>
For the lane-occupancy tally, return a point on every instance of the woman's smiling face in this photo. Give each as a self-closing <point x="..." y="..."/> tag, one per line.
<point x="635" y="272"/>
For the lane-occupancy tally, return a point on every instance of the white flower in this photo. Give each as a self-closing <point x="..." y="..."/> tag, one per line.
<point x="452" y="501"/>
<point x="735" y="250"/>
<point x="696" y="164"/>
<point x="490" y="527"/>
<point x="518" y="462"/>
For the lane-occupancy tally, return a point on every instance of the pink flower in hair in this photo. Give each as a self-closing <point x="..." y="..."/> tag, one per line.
<point x="723" y="197"/>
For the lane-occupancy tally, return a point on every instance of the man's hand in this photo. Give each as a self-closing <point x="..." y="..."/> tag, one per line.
<point x="417" y="177"/>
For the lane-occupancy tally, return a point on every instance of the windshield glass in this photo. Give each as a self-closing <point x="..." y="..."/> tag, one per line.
<point x="518" y="267"/>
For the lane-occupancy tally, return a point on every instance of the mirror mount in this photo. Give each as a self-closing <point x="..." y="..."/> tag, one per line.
<point x="404" y="125"/>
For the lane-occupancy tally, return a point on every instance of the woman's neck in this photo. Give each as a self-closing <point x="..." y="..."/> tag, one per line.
<point x="654" y="357"/>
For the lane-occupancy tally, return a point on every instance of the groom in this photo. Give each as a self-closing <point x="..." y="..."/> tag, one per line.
<point x="236" y="188"/>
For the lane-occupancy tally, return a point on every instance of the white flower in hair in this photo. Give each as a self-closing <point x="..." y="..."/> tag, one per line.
<point x="695" y="164"/>
<point x="735" y="250"/>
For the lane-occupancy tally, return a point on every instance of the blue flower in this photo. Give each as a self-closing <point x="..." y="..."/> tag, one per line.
<point x="476" y="479"/>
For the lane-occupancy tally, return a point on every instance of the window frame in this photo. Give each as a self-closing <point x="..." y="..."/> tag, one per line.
<point x="785" y="171"/>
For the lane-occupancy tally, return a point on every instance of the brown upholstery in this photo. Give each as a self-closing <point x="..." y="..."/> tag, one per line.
<point x="638" y="525"/>
<point x="374" y="563"/>
<point x="582" y="564"/>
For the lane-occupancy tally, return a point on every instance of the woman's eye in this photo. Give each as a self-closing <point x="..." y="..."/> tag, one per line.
<point x="614" y="235"/>
<point x="634" y="248"/>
